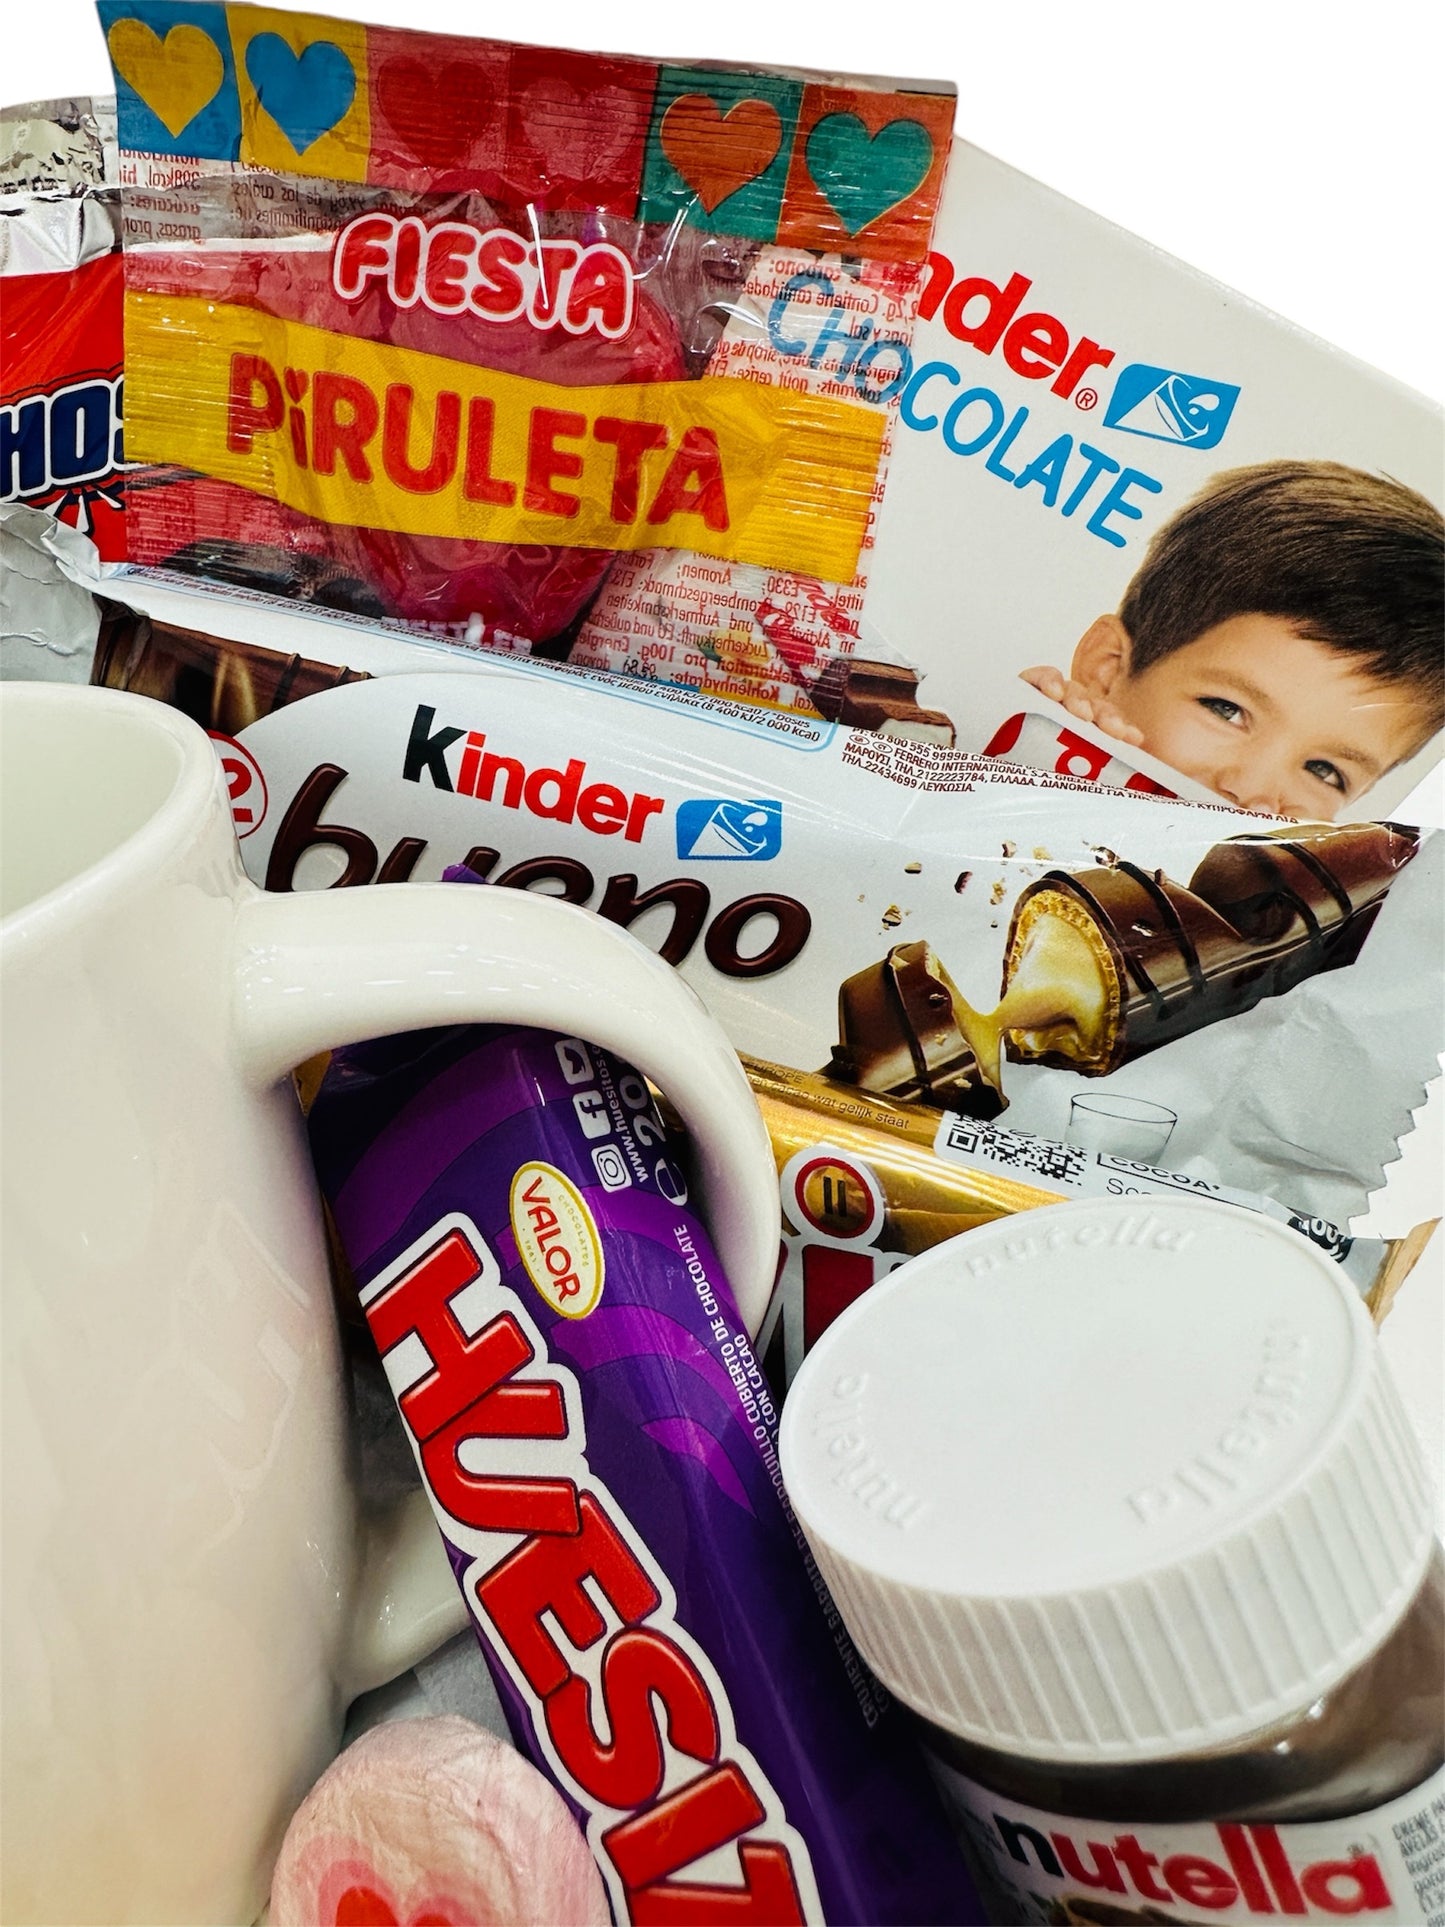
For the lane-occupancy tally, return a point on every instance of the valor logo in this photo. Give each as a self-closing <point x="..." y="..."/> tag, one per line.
<point x="1166" y="406"/>
<point x="716" y="829"/>
<point x="557" y="1239"/>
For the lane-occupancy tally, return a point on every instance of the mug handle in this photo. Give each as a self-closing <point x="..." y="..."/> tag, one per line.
<point x="331" y="967"/>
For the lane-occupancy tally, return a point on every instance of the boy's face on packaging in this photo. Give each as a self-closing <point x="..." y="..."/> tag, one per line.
<point x="1270" y="719"/>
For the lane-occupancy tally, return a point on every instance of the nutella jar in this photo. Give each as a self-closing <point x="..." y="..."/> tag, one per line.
<point x="1120" y="1500"/>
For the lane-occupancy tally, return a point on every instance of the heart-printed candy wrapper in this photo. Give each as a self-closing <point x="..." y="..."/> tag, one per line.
<point x="432" y="337"/>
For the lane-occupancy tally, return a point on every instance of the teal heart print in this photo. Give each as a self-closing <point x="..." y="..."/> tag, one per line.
<point x="305" y="94"/>
<point x="862" y="175"/>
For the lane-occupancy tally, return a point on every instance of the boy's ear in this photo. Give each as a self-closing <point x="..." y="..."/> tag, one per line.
<point x="1101" y="660"/>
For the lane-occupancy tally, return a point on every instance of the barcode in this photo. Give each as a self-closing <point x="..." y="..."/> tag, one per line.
<point x="1041" y="1156"/>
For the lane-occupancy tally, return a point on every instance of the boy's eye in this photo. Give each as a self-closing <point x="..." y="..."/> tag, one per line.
<point x="1222" y="707"/>
<point x="1327" y="773"/>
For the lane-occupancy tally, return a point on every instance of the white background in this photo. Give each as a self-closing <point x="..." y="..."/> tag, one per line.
<point x="1291" y="150"/>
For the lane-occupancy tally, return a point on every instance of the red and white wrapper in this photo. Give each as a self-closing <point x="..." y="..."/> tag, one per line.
<point x="61" y="305"/>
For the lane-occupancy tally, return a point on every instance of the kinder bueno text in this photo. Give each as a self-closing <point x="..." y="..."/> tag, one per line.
<point x="729" y="934"/>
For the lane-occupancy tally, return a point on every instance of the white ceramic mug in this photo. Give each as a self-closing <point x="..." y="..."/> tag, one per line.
<point x="189" y="1596"/>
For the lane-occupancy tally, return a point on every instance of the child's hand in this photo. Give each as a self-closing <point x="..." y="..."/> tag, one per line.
<point x="1097" y="710"/>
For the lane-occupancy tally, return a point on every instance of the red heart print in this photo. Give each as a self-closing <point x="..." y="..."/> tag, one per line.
<point x="365" y="1907"/>
<point x="438" y="115"/>
<point x="579" y="136"/>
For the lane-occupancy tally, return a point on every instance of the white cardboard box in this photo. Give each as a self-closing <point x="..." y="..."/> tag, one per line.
<point x="977" y="573"/>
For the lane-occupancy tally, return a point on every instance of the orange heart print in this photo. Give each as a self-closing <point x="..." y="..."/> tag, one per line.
<point x="718" y="153"/>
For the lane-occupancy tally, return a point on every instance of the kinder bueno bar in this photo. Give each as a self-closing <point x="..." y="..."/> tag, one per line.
<point x="60" y="316"/>
<point x="779" y="861"/>
<point x="866" y="1183"/>
<point x="599" y="1448"/>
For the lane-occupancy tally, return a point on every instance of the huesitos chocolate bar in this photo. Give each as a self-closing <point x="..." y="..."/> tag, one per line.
<point x="598" y="1446"/>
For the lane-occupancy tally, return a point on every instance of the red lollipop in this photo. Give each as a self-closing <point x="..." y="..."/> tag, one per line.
<point x="522" y="593"/>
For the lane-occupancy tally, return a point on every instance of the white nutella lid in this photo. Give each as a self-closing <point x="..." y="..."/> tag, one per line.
<point x="1111" y="1480"/>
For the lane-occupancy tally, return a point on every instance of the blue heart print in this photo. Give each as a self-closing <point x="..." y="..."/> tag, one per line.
<point x="863" y="175"/>
<point x="305" y="94"/>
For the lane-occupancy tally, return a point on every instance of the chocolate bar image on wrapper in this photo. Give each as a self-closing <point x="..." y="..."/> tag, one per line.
<point x="881" y="696"/>
<point x="1103" y="965"/>
<point x="223" y="687"/>
<point x="867" y="1182"/>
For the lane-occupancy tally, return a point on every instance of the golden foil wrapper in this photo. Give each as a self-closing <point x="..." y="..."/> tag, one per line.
<point x="860" y="1175"/>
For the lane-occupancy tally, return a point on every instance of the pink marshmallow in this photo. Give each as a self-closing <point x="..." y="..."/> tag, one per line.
<point x="435" y="1823"/>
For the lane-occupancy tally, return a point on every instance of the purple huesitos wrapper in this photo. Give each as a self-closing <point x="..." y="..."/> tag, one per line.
<point x="599" y="1447"/>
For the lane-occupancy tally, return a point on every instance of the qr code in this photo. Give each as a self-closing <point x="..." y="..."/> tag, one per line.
<point x="1041" y="1156"/>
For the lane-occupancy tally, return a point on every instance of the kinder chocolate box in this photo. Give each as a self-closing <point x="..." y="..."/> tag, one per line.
<point x="1073" y="392"/>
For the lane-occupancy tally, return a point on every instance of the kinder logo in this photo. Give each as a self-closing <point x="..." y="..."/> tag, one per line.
<point x="1161" y="404"/>
<point x="56" y="441"/>
<point x="1255" y="1871"/>
<point x="560" y="795"/>
<point x="454" y="268"/>
<point x="986" y="315"/>
<point x="625" y="1708"/>
<point x="1166" y="406"/>
<point x="717" y="829"/>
